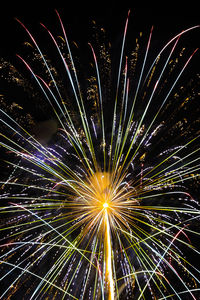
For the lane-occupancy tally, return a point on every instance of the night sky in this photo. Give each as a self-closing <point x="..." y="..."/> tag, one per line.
<point x="167" y="20"/>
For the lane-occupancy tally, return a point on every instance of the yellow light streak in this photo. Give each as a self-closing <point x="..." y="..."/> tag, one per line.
<point x="102" y="187"/>
<point x="104" y="199"/>
<point x="108" y="257"/>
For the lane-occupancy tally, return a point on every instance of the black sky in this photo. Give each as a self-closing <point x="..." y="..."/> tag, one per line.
<point x="167" y="19"/>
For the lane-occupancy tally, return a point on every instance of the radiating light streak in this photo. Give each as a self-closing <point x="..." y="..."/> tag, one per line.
<point x="146" y="109"/>
<point x="108" y="256"/>
<point x="80" y="103"/>
<point x="117" y="89"/>
<point x="101" y="105"/>
<point x="37" y="276"/>
<point x="135" y="97"/>
<point x="167" y="44"/>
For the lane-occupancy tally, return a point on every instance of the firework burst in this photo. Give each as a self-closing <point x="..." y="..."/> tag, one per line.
<point x="101" y="198"/>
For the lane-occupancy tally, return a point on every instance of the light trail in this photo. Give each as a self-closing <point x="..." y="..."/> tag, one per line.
<point x="108" y="256"/>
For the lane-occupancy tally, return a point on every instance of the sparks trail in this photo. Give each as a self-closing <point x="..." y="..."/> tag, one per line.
<point x="107" y="206"/>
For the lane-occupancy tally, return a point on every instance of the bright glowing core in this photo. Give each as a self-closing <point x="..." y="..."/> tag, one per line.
<point x="100" y="184"/>
<point x="105" y="205"/>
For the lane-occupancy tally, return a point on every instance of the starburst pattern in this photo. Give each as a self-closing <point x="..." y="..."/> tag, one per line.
<point x="104" y="203"/>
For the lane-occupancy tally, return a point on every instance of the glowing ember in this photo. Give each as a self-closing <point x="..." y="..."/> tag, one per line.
<point x="105" y="205"/>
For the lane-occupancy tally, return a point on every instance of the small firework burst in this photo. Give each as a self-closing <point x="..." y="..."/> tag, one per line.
<point x="101" y="196"/>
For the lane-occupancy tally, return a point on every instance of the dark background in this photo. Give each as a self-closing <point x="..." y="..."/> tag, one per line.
<point x="167" y="19"/>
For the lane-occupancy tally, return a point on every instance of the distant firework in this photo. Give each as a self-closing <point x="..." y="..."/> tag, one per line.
<point x="100" y="171"/>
